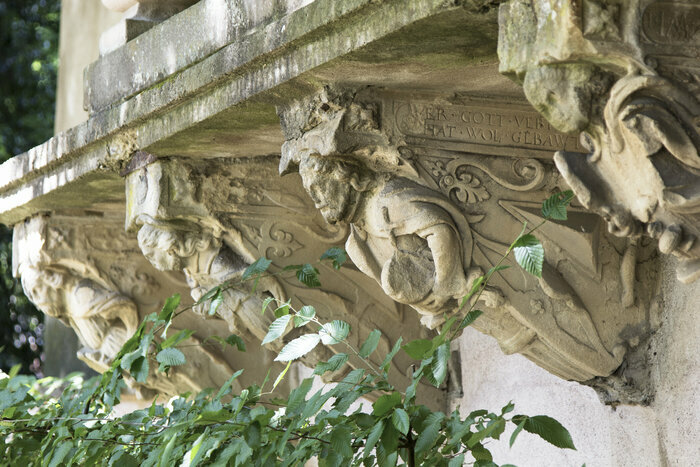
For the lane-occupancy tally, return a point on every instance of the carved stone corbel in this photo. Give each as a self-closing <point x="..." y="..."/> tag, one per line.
<point x="212" y="219"/>
<point x="85" y="271"/>
<point x="426" y="219"/>
<point x="625" y="75"/>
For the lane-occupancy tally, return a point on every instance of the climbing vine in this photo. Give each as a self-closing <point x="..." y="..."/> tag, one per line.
<point x="65" y="422"/>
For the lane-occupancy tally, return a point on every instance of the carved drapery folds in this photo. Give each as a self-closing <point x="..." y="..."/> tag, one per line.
<point x="626" y="75"/>
<point x="85" y="271"/>
<point x="427" y="215"/>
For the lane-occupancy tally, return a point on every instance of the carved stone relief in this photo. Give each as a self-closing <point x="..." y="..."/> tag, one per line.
<point x="426" y="219"/>
<point x="211" y="220"/>
<point x="87" y="272"/>
<point x="626" y="75"/>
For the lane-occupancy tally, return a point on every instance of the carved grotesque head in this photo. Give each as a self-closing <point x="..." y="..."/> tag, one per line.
<point x="335" y="185"/>
<point x="43" y="288"/>
<point x="169" y="248"/>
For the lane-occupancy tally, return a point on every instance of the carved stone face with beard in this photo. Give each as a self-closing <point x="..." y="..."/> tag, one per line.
<point x="334" y="185"/>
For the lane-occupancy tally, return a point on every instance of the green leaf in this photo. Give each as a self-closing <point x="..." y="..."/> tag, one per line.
<point x="400" y="420"/>
<point x="209" y="295"/>
<point x="334" y="332"/>
<point x="333" y="364"/>
<point x="236" y="341"/>
<point x="169" y="307"/>
<point x="282" y="310"/>
<point x="308" y="275"/>
<point x="439" y="366"/>
<point x="216" y="303"/>
<point x="480" y="453"/>
<point x="341" y="441"/>
<point x="485" y="463"/>
<point x="141" y="351"/>
<point x="370" y="344"/>
<point x="171" y="357"/>
<point x="227" y="385"/>
<point x="257" y="268"/>
<point x="470" y="318"/>
<point x="281" y="375"/>
<point x="298" y="347"/>
<point x="385" y="403"/>
<point x="554" y="207"/>
<point x="192" y="453"/>
<point x="373" y="437"/>
<point x="266" y="302"/>
<point x="297" y="398"/>
<point x="493" y="429"/>
<point x="456" y="461"/>
<point x="529" y="254"/>
<point x="386" y="363"/>
<point x="386" y="458"/>
<point x="177" y="338"/>
<point x="517" y="431"/>
<point x="277" y="328"/>
<point x="337" y="255"/>
<point x="549" y="430"/>
<point x="418" y="348"/>
<point x="430" y="433"/>
<point x="14" y="370"/>
<point x="475" y="287"/>
<point x="305" y="314"/>
<point x="167" y="452"/>
<point x="166" y="313"/>
<point x="507" y="408"/>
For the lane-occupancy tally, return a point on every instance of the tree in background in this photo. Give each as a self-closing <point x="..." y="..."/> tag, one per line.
<point x="28" y="64"/>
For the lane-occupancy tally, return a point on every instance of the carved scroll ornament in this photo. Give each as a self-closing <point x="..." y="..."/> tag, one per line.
<point x="630" y="88"/>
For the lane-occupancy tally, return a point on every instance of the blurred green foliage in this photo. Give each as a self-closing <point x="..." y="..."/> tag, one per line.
<point x="28" y="64"/>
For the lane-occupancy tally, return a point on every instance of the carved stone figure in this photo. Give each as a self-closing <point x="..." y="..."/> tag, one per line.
<point x="424" y="238"/>
<point x="103" y="319"/>
<point x="403" y="235"/>
<point x="207" y="263"/>
<point x="639" y="120"/>
<point x="87" y="272"/>
<point x="212" y="220"/>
